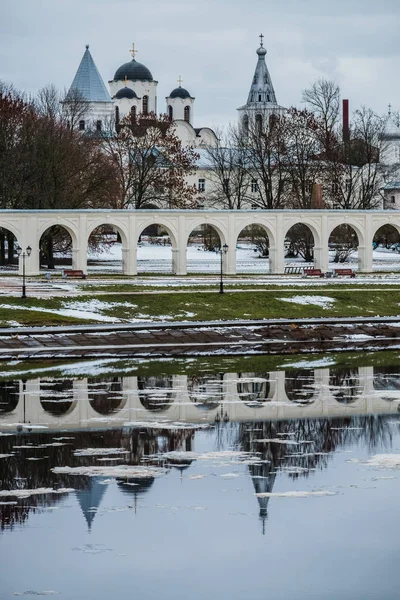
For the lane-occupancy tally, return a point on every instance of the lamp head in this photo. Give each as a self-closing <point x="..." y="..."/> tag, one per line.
<point x="19" y="250"/>
<point x="225" y="248"/>
<point x="28" y="250"/>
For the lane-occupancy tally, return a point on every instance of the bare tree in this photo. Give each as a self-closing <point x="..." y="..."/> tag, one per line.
<point x="355" y="175"/>
<point x="226" y="165"/>
<point x="74" y="108"/>
<point x="323" y="99"/>
<point x="150" y="162"/>
<point x="265" y="148"/>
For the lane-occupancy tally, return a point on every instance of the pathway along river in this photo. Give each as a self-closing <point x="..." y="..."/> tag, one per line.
<point x="230" y="478"/>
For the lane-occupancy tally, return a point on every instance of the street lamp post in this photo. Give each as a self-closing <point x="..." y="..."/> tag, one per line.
<point x="222" y="251"/>
<point x="23" y="255"/>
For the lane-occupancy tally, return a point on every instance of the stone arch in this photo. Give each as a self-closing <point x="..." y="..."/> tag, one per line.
<point x="300" y="240"/>
<point x="162" y="238"/>
<point x="343" y="241"/>
<point x="253" y="244"/>
<point x="8" y="245"/>
<point x="53" y="241"/>
<point x="204" y="238"/>
<point x="112" y="247"/>
<point x="386" y="246"/>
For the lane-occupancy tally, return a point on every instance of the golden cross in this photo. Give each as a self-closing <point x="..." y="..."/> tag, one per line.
<point x="261" y="39"/>
<point x="133" y="51"/>
<point x="180" y="81"/>
<point x="389" y="109"/>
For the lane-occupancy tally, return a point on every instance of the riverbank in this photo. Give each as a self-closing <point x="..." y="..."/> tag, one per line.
<point x="201" y="339"/>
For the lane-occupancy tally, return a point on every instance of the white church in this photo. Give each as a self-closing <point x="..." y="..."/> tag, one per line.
<point x="133" y="90"/>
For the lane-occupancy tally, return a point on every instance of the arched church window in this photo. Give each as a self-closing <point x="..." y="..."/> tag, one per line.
<point x="245" y="124"/>
<point x="259" y="97"/>
<point x="117" y="115"/>
<point x="186" y="114"/>
<point x="268" y="98"/>
<point x="145" y="105"/>
<point x="133" y="113"/>
<point x="81" y="125"/>
<point x="170" y="113"/>
<point x="259" y="123"/>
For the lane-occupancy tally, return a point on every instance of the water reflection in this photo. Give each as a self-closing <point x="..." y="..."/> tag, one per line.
<point x="56" y="396"/>
<point x="206" y="391"/>
<point x="155" y="393"/>
<point x="345" y="384"/>
<point x="9" y="395"/>
<point x="254" y="391"/>
<point x="105" y="395"/>
<point x="299" y="386"/>
<point x="72" y="403"/>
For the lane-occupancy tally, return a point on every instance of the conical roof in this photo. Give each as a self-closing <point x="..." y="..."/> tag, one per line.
<point x="88" y="83"/>
<point x="261" y="90"/>
<point x="90" y="499"/>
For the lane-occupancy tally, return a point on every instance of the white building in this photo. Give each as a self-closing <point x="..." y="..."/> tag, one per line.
<point x="133" y="90"/>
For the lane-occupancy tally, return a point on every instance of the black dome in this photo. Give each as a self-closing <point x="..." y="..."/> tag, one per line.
<point x="179" y="92"/>
<point x="125" y="93"/>
<point x="133" y="70"/>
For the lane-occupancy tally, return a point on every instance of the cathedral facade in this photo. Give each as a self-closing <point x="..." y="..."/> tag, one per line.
<point x="132" y="90"/>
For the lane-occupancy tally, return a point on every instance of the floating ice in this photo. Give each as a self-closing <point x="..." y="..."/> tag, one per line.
<point x="36" y="492"/>
<point x="295" y="494"/>
<point x="385" y="461"/>
<point x="107" y="471"/>
<point x="99" y="451"/>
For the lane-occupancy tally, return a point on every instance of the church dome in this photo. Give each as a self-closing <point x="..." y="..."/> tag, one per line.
<point x="179" y="92"/>
<point x="391" y="130"/>
<point x="125" y="92"/>
<point x="133" y="71"/>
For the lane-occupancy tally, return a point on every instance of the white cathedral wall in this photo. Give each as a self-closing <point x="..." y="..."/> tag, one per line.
<point x="390" y="152"/>
<point x="178" y="107"/>
<point x="141" y="88"/>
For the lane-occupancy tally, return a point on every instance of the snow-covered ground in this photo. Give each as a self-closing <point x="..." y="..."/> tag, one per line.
<point x="158" y="259"/>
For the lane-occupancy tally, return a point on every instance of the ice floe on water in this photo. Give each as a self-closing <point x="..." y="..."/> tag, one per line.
<point x="322" y="301"/>
<point x="223" y="454"/>
<point x="165" y="425"/>
<point x="36" y="593"/>
<point x="92" y="548"/>
<point x="385" y="461"/>
<point x="113" y="471"/>
<point x="99" y="451"/>
<point x="296" y="494"/>
<point x="21" y="493"/>
<point x="283" y="441"/>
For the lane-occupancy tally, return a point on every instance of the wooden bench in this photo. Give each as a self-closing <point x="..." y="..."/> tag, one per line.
<point x="313" y="273"/>
<point x="74" y="273"/>
<point x="344" y="273"/>
<point x="289" y="270"/>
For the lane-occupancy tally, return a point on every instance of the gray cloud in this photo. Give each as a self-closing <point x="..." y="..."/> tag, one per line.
<point x="211" y="44"/>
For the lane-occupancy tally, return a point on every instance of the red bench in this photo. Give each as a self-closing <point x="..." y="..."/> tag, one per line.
<point x="344" y="273"/>
<point x="313" y="273"/>
<point x="74" y="273"/>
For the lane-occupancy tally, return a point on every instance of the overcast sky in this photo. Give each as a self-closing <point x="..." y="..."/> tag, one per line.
<point x="212" y="44"/>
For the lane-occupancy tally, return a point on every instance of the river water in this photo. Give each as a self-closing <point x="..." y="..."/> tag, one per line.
<point x="244" y="478"/>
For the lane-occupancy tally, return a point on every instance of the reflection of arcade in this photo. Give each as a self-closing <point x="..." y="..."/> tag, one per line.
<point x="253" y="390"/>
<point x="206" y="391"/>
<point x="155" y="393"/>
<point x="345" y="384"/>
<point x="300" y="386"/>
<point x="55" y="396"/>
<point x="83" y="403"/>
<point x="105" y="396"/>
